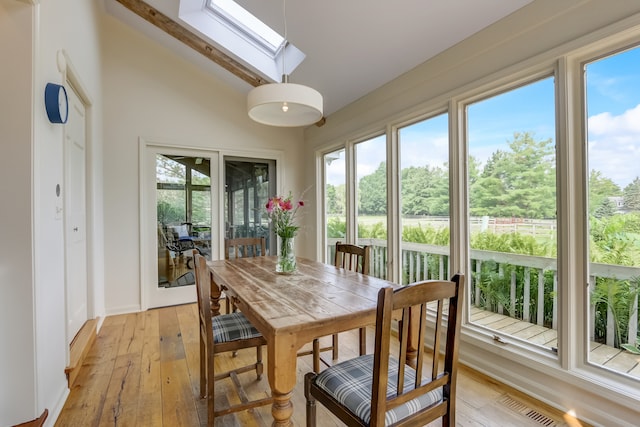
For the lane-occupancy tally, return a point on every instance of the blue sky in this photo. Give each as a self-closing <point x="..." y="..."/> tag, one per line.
<point x="613" y="105"/>
<point x="613" y="93"/>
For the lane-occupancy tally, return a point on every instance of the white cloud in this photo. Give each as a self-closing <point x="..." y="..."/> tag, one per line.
<point x="614" y="145"/>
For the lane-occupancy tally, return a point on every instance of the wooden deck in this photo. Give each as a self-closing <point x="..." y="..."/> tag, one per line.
<point x="599" y="354"/>
<point x="143" y="370"/>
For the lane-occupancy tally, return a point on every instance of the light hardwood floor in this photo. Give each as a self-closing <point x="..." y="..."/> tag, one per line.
<point x="143" y="370"/>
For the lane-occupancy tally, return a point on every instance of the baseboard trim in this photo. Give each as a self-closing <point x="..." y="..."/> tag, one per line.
<point x="79" y="348"/>
<point x="38" y="422"/>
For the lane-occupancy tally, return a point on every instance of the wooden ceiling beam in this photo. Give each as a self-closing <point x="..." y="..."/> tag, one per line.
<point x="180" y="33"/>
<point x="177" y="31"/>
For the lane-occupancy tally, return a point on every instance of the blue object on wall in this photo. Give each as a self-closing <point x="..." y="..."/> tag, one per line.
<point x="56" y="103"/>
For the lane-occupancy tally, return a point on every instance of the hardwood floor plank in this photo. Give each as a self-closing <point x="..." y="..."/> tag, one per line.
<point x="121" y="400"/>
<point x="149" y="411"/>
<point x="188" y="323"/>
<point x="178" y="404"/>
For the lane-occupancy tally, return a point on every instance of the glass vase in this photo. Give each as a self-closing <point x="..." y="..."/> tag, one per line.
<point x="286" y="256"/>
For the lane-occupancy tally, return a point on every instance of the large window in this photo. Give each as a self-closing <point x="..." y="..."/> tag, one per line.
<point x="613" y="115"/>
<point x="335" y="203"/>
<point x="512" y="208"/>
<point x="424" y="198"/>
<point x="371" y="176"/>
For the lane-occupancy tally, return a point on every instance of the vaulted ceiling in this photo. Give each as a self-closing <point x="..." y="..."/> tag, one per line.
<point x="352" y="47"/>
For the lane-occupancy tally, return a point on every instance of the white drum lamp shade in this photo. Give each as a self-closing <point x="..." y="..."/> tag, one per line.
<point x="284" y="105"/>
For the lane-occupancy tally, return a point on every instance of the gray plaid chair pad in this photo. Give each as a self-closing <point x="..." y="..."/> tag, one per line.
<point x="232" y="327"/>
<point x="350" y="383"/>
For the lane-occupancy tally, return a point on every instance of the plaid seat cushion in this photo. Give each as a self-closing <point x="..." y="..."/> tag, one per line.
<point x="350" y="383"/>
<point x="232" y="327"/>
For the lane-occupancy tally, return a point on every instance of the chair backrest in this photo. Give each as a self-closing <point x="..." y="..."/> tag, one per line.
<point x="203" y="287"/>
<point x="413" y="299"/>
<point x="243" y="247"/>
<point x="352" y="257"/>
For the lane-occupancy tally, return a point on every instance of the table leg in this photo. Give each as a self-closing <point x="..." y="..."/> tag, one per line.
<point x="412" y="341"/>
<point x="215" y="298"/>
<point x="282" y="378"/>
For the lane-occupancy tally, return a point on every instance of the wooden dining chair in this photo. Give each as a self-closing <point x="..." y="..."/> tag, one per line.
<point x="242" y="247"/>
<point x="382" y="389"/>
<point x="219" y="334"/>
<point x="355" y="258"/>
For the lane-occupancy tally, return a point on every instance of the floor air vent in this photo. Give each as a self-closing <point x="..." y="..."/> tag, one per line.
<point x="526" y="411"/>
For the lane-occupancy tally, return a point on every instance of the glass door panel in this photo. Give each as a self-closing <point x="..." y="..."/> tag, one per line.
<point x="183" y="205"/>
<point x="248" y="185"/>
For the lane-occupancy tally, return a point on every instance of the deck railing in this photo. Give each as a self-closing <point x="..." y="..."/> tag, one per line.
<point x="524" y="287"/>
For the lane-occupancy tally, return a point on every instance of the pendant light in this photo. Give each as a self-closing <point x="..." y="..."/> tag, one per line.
<point x="284" y="104"/>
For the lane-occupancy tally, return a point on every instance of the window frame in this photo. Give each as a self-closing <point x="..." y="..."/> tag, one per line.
<point x="498" y="87"/>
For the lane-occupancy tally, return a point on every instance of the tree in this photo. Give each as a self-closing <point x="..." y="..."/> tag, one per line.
<point x="331" y="201"/>
<point x="600" y="189"/>
<point x="372" y="192"/>
<point x="632" y="195"/>
<point x="425" y="191"/>
<point x="519" y="182"/>
<point x="605" y="209"/>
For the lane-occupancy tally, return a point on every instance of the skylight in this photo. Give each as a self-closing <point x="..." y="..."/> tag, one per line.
<point x="240" y="34"/>
<point x="243" y="21"/>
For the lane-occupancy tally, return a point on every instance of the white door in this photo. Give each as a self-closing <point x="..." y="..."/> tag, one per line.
<point x="75" y="216"/>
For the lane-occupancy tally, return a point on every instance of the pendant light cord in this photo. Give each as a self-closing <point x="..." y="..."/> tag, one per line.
<point x="285" y="77"/>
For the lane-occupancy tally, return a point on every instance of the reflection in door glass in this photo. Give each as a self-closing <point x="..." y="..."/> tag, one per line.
<point x="183" y="194"/>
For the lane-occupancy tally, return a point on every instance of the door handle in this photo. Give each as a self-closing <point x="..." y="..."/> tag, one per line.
<point x="75" y="228"/>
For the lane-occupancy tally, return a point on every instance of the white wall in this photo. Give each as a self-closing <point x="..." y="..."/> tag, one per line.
<point x="154" y="94"/>
<point x="543" y="28"/>
<point x="17" y="392"/>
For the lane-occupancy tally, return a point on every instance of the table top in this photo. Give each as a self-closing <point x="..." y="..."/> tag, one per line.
<point x="317" y="300"/>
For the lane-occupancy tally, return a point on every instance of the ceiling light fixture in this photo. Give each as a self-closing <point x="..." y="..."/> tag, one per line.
<point x="284" y="104"/>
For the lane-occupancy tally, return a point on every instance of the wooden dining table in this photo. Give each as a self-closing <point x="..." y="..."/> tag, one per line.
<point x="291" y="310"/>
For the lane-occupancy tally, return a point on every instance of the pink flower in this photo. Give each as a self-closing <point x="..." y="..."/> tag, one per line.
<point x="281" y="213"/>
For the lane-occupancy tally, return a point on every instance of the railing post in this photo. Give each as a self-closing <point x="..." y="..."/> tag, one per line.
<point x="540" y="310"/>
<point x="512" y="294"/>
<point x="425" y="270"/>
<point x="611" y="320"/>
<point x="441" y="272"/>
<point x="412" y="273"/>
<point x="526" y="303"/>
<point x="592" y="309"/>
<point x="633" y="322"/>
<point x="554" y="321"/>
<point x="478" y="271"/>
<point x="501" y="275"/>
